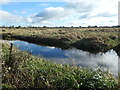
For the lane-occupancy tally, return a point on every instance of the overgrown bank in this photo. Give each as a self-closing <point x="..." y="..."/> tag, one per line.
<point x="27" y="71"/>
<point x="117" y="49"/>
<point x="89" y="39"/>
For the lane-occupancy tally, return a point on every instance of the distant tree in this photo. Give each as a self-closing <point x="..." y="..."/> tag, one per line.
<point x="12" y="26"/>
<point x="95" y="26"/>
<point x="19" y="26"/>
<point x="44" y="26"/>
<point x="3" y="26"/>
<point x="89" y="26"/>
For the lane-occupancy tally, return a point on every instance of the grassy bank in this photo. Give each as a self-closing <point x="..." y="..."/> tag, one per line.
<point x="117" y="49"/>
<point x="89" y="39"/>
<point x="27" y="71"/>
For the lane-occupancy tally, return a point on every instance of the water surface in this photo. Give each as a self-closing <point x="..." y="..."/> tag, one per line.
<point x="73" y="56"/>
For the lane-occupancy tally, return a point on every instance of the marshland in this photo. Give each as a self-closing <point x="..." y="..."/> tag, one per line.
<point x="53" y="58"/>
<point x="60" y="44"/>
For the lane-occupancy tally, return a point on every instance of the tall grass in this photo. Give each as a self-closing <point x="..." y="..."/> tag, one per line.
<point x="99" y="38"/>
<point x="28" y="71"/>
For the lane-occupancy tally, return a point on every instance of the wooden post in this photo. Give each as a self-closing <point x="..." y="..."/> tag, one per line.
<point x="10" y="53"/>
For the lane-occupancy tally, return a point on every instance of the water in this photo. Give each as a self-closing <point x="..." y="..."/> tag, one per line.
<point x="106" y="61"/>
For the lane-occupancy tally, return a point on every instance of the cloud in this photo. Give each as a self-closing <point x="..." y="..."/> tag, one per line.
<point x="29" y="20"/>
<point x="23" y="12"/>
<point x="51" y="13"/>
<point x="71" y="8"/>
<point x="84" y="16"/>
<point x="89" y="10"/>
<point x="4" y="1"/>
<point x="106" y="8"/>
<point x="20" y="12"/>
<point x="44" y="4"/>
<point x="106" y="14"/>
<point x="81" y="9"/>
<point x="81" y="6"/>
<point x="7" y="18"/>
<point x="73" y="13"/>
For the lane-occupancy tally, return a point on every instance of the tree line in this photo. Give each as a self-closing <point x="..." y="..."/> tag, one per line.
<point x="59" y="26"/>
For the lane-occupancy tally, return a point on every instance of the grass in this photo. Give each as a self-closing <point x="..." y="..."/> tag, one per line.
<point x="99" y="39"/>
<point x="117" y="49"/>
<point x="27" y="71"/>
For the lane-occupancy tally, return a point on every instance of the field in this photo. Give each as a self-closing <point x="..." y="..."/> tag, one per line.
<point x="89" y="39"/>
<point x="22" y="70"/>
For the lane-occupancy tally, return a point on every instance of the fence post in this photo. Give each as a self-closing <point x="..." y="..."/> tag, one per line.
<point x="10" y="53"/>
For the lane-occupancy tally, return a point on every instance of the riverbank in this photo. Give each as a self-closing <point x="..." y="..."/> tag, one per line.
<point x="117" y="49"/>
<point x="27" y="71"/>
<point x="88" y="39"/>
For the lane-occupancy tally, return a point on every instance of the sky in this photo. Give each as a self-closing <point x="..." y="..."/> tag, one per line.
<point x="65" y="13"/>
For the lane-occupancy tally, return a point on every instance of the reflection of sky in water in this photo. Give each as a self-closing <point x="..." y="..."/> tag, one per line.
<point x="107" y="61"/>
<point x="48" y="52"/>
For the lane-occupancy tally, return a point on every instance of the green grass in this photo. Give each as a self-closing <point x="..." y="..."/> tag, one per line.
<point x="27" y="71"/>
<point x="101" y="38"/>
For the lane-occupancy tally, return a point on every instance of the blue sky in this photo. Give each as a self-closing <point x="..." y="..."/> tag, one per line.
<point x="17" y="8"/>
<point x="79" y="13"/>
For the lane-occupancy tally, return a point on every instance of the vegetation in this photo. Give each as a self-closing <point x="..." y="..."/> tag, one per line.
<point x="89" y="39"/>
<point x="22" y="70"/>
<point x="117" y="49"/>
<point x="27" y="71"/>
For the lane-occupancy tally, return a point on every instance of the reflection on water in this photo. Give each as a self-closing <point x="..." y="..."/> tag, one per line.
<point x="106" y="61"/>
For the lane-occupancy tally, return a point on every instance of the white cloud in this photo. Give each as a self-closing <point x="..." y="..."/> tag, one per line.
<point x="8" y="18"/>
<point x="4" y="1"/>
<point x="93" y="12"/>
<point x="52" y="13"/>
<point x="88" y="12"/>
<point x="44" y="4"/>
<point x="106" y="8"/>
<point x="81" y="6"/>
<point x="23" y="12"/>
<point x="29" y="20"/>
